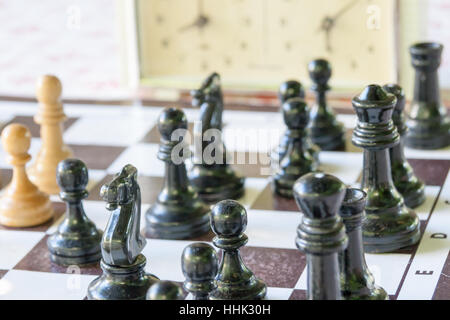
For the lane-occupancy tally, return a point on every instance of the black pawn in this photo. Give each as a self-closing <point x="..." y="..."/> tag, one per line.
<point x="321" y="233"/>
<point x="298" y="160"/>
<point x="199" y="263"/>
<point x="77" y="240"/>
<point x="410" y="187"/>
<point x="178" y="213"/>
<point x="389" y="225"/>
<point x="234" y="280"/>
<point x="326" y="131"/>
<point x="292" y="89"/>
<point x="165" y="290"/>
<point x="357" y="283"/>
<point x="428" y="122"/>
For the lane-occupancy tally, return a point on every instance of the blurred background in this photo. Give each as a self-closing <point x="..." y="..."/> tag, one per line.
<point x="156" y="50"/>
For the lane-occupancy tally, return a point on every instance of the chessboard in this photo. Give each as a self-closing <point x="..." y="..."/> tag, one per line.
<point x="108" y="137"/>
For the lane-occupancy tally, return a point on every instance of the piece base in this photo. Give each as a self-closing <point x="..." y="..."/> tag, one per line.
<point x="257" y="291"/>
<point x="375" y="293"/>
<point x="79" y="261"/>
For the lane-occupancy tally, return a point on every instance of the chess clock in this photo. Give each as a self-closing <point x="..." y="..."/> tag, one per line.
<point x="256" y="44"/>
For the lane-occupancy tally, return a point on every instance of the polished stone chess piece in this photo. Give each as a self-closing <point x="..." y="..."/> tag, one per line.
<point x="326" y="131"/>
<point x="178" y="212"/>
<point x="234" y="280"/>
<point x="409" y="186"/>
<point x="53" y="150"/>
<point x="199" y="264"/>
<point x="428" y="122"/>
<point x="21" y="202"/>
<point x="357" y="282"/>
<point x="298" y="160"/>
<point x="124" y="277"/>
<point x="321" y="233"/>
<point x="291" y="89"/>
<point x="77" y="240"/>
<point x="165" y="290"/>
<point x="389" y="224"/>
<point x="211" y="176"/>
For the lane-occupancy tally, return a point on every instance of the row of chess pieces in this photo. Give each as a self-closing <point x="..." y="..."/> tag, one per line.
<point x="182" y="211"/>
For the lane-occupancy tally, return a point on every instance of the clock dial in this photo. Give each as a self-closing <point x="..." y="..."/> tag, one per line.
<point x="263" y="42"/>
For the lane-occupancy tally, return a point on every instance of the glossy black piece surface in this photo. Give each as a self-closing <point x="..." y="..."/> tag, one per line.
<point x="234" y="280"/>
<point x="428" y="122"/>
<point x="199" y="264"/>
<point x="178" y="212"/>
<point x="298" y="160"/>
<point x="122" y="263"/>
<point x="357" y="282"/>
<point x="165" y="290"/>
<point x="210" y="175"/>
<point x="410" y="187"/>
<point x="321" y="233"/>
<point x="326" y="131"/>
<point x="389" y="224"/>
<point x="77" y="240"/>
<point x="291" y="89"/>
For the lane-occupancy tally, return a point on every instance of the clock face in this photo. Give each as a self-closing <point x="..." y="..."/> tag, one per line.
<point x="259" y="43"/>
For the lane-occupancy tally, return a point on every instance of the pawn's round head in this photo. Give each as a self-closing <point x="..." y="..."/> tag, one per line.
<point x="353" y="203"/>
<point x="72" y="175"/>
<point x="199" y="262"/>
<point x="16" y="139"/>
<point x="170" y="120"/>
<point x="165" y="290"/>
<point x="290" y="89"/>
<point x="48" y="89"/>
<point x="295" y="113"/>
<point x="228" y="218"/>
<point x="319" y="71"/>
<point x="319" y="195"/>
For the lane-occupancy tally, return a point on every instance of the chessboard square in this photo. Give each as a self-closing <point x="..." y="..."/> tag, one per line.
<point x="344" y="165"/>
<point x="298" y="295"/>
<point x="143" y="157"/>
<point x="96" y="157"/>
<point x="164" y="258"/>
<point x="431" y="193"/>
<point x="267" y="200"/>
<point x="388" y="269"/>
<point x="348" y="120"/>
<point x="38" y="259"/>
<point x="253" y="187"/>
<point x="5" y="177"/>
<point x="120" y="130"/>
<point x="255" y="139"/>
<point x="15" y="245"/>
<point x="35" y="128"/>
<point x="278" y="293"/>
<point x="273" y="229"/>
<point x="277" y="267"/>
<point x="28" y="285"/>
<point x="439" y="154"/>
<point x="251" y="164"/>
<point x="431" y="171"/>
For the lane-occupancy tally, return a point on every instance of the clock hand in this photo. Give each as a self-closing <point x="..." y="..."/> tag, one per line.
<point x="201" y="21"/>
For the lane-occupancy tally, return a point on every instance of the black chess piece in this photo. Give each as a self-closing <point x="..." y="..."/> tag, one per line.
<point x="165" y="290"/>
<point x="77" y="240"/>
<point x="199" y="263"/>
<point x="234" y="280"/>
<point x="409" y="186"/>
<point x="210" y="175"/>
<point x="297" y="161"/>
<point x="178" y="212"/>
<point x="428" y="122"/>
<point x="291" y="89"/>
<point x="357" y="282"/>
<point x="326" y="131"/>
<point x="122" y="262"/>
<point x="389" y="224"/>
<point x="321" y="233"/>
